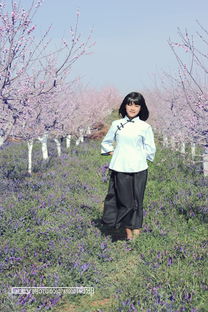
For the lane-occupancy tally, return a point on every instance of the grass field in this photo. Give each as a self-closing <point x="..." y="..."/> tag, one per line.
<point x="51" y="235"/>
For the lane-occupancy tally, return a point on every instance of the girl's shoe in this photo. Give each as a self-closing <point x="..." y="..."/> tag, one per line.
<point x="136" y="232"/>
<point x="129" y="235"/>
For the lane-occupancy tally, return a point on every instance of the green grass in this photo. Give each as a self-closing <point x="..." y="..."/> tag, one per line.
<point x="52" y="236"/>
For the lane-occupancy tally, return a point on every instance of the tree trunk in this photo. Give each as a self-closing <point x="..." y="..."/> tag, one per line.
<point x="58" y="145"/>
<point x="88" y="131"/>
<point x="81" y="136"/>
<point x="43" y="141"/>
<point x="79" y="140"/>
<point x="68" y="141"/>
<point x="183" y="147"/>
<point x="173" y="144"/>
<point x="30" y="147"/>
<point x="1" y="141"/>
<point x="205" y="161"/>
<point x="193" y="150"/>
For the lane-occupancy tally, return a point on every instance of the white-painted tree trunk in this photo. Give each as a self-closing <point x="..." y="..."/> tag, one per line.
<point x="68" y="141"/>
<point x="88" y="131"/>
<point x="193" y="150"/>
<point x="30" y="147"/>
<point x="43" y="141"/>
<point x="77" y="142"/>
<point x="205" y="161"/>
<point x="173" y="144"/>
<point x="58" y="145"/>
<point x="183" y="147"/>
<point x="81" y="137"/>
<point x="1" y="140"/>
<point x="165" y="141"/>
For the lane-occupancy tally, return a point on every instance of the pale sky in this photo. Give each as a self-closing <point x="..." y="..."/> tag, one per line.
<point x="131" y="36"/>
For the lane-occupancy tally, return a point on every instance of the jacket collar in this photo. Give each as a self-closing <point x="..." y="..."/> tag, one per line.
<point x="131" y="119"/>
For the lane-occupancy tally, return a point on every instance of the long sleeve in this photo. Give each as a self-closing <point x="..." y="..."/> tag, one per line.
<point x="107" y="143"/>
<point x="149" y="144"/>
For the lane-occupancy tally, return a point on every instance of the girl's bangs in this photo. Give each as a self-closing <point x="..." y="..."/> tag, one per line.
<point x="133" y="100"/>
<point x="136" y="101"/>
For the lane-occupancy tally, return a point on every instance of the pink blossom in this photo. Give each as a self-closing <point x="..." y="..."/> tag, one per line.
<point x="33" y="81"/>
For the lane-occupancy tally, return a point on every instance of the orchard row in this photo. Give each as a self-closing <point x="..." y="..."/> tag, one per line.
<point x="39" y="99"/>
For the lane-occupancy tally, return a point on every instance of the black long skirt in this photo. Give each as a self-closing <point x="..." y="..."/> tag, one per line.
<point x="123" y="205"/>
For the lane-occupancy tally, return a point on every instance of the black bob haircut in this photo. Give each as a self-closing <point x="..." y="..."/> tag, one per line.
<point x="136" y="98"/>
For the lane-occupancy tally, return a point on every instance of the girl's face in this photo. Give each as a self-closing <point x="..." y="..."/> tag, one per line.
<point x="132" y="109"/>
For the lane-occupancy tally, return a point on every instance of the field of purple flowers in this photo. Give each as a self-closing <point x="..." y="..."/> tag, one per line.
<point x="51" y="235"/>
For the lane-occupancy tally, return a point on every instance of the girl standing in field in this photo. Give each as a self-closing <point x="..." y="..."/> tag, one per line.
<point x="123" y="205"/>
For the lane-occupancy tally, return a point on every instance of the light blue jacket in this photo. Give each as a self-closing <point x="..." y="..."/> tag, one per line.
<point x="134" y="140"/>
